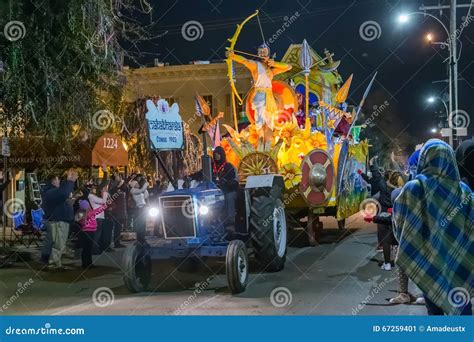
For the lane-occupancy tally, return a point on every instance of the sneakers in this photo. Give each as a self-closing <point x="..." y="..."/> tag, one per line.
<point x="420" y="301"/>
<point x="386" y="266"/>
<point x="402" y="298"/>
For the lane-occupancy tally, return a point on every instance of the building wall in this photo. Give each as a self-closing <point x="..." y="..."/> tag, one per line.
<point x="180" y="83"/>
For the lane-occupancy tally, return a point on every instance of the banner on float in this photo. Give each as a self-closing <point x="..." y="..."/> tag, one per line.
<point x="165" y="126"/>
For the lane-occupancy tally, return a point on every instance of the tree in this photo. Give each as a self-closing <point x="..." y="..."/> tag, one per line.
<point x="58" y="59"/>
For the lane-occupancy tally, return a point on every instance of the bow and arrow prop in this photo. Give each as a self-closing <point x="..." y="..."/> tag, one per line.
<point x="230" y="63"/>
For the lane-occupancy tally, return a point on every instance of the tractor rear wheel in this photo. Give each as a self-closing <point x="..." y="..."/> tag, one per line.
<point x="137" y="267"/>
<point x="268" y="231"/>
<point x="237" y="266"/>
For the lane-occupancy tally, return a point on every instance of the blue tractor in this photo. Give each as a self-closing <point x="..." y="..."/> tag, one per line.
<point x="190" y="225"/>
<point x="191" y="221"/>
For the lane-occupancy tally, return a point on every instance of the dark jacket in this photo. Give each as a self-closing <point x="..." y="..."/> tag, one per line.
<point x="224" y="173"/>
<point x="56" y="203"/>
<point x="465" y="159"/>
<point x="118" y="199"/>
<point x="379" y="185"/>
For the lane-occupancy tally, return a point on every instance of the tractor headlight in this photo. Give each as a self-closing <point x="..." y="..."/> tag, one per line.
<point x="203" y="210"/>
<point x="153" y="212"/>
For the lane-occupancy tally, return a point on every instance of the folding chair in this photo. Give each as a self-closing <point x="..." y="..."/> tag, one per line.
<point x="22" y="230"/>
<point x="37" y="219"/>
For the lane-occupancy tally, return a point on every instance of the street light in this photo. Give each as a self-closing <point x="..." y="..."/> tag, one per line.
<point x="434" y="130"/>
<point x="403" y="18"/>
<point x="432" y="99"/>
<point x="450" y="44"/>
<point x="430" y="38"/>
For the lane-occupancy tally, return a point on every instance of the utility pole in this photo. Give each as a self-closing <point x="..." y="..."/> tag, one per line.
<point x="453" y="41"/>
<point x="453" y="62"/>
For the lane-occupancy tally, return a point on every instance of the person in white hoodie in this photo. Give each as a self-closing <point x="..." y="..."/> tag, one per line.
<point x="140" y="196"/>
<point x="99" y="199"/>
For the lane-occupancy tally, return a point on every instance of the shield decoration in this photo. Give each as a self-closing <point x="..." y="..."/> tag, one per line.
<point x="317" y="178"/>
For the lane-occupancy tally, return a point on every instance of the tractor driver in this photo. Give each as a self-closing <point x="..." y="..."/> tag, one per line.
<point x="225" y="177"/>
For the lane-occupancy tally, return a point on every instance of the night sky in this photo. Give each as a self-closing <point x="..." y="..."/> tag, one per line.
<point x="406" y="62"/>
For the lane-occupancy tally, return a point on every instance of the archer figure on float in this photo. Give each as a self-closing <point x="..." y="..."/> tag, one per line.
<point x="263" y="101"/>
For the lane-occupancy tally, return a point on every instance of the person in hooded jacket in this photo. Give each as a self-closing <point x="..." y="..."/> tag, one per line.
<point x="434" y="223"/>
<point x="225" y="177"/>
<point x="465" y="160"/>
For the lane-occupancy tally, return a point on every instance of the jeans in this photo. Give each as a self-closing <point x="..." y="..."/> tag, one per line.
<point x="87" y="241"/>
<point x="47" y="243"/>
<point x="97" y="246"/>
<point x="59" y="233"/>
<point x="386" y="235"/>
<point x="106" y="236"/>
<point x="139" y="223"/>
<point x="119" y="225"/>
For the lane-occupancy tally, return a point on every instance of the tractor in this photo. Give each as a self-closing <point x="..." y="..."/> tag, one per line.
<point x="190" y="225"/>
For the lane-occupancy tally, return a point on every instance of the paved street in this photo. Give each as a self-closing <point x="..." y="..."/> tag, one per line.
<point x="334" y="278"/>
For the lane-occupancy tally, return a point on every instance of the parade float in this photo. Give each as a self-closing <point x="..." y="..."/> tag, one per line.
<point x="307" y="134"/>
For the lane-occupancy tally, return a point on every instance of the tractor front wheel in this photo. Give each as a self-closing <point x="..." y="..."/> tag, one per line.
<point x="137" y="267"/>
<point x="237" y="266"/>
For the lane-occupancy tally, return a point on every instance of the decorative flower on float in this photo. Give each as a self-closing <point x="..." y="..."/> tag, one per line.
<point x="291" y="175"/>
<point x="316" y="140"/>
<point x="293" y="152"/>
<point x="285" y="130"/>
<point x="251" y="135"/>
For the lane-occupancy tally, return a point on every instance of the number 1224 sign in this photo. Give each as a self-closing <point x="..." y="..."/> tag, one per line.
<point x="165" y="126"/>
